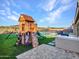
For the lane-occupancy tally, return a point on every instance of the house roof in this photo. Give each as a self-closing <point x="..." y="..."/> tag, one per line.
<point x="26" y="18"/>
<point x="77" y="13"/>
<point x="78" y="2"/>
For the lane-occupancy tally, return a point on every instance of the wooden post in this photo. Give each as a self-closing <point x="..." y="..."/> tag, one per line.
<point x="23" y="39"/>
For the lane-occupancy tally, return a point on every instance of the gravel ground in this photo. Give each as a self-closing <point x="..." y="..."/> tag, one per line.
<point x="47" y="52"/>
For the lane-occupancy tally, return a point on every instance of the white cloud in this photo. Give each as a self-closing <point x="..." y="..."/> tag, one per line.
<point x="66" y="2"/>
<point x="3" y="5"/>
<point x="7" y="2"/>
<point x="41" y="20"/>
<point x="12" y="2"/>
<point x="8" y="10"/>
<point x="48" y="5"/>
<point x="8" y="13"/>
<point x="2" y="12"/>
<point x="13" y="17"/>
<point x="56" y="14"/>
<point x="15" y="13"/>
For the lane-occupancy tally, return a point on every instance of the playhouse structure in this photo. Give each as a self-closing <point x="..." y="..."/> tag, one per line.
<point x="27" y="30"/>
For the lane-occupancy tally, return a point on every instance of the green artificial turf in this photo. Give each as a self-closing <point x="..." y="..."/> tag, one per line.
<point x="45" y="40"/>
<point x="8" y="50"/>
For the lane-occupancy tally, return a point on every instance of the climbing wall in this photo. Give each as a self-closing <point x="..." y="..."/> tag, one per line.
<point x="34" y="40"/>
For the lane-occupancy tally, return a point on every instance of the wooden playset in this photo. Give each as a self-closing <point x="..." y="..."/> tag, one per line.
<point x="27" y="31"/>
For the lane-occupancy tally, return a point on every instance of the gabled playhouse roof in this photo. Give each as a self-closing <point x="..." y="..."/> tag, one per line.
<point x="26" y="18"/>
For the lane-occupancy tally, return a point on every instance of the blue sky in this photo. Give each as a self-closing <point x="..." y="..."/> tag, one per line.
<point x="48" y="13"/>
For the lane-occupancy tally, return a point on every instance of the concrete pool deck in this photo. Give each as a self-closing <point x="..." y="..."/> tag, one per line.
<point x="47" y="52"/>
